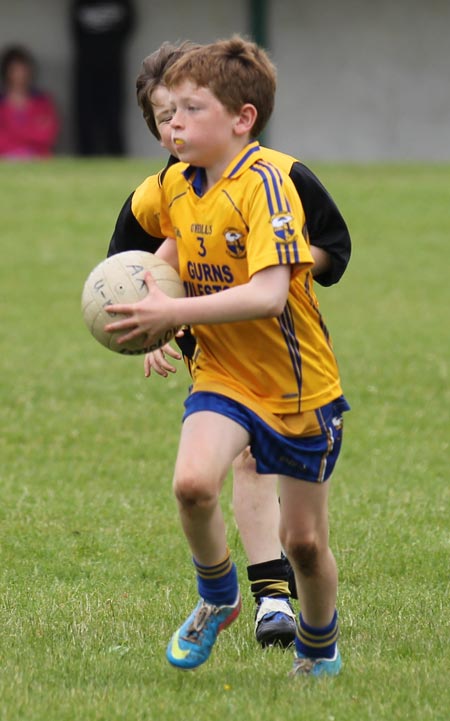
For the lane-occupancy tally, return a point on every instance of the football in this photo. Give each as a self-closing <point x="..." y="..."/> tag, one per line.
<point x="120" y="279"/>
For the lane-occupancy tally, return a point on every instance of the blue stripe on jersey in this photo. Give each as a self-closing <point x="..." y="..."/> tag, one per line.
<point x="277" y="189"/>
<point x="266" y="188"/>
<point x="287" y="328"/>
<point x="288" y="253"/>
<point x="280" y="248"/>
<point x="271" y="186"/>
<point x="274" y="169"/>
<point x="276" y="184"/>
<point x="294" y="248"/>
<point x="317" y="311"/>
<point x="251" y="151"/>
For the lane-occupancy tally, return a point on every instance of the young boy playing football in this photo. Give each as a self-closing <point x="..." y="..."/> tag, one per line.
<point x="254" y="496"/>
<point x="265" y="375"/>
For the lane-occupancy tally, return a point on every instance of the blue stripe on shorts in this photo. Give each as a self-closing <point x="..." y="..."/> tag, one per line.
<point x="308" y="458"/>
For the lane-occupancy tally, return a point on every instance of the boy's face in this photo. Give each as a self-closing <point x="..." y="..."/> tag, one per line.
<point x="202" y="128"/>
<point x="163" y="112"/>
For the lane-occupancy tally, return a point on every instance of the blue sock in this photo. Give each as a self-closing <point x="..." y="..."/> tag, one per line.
<point x="317" y="642"/>
<point x="218" y="584"/>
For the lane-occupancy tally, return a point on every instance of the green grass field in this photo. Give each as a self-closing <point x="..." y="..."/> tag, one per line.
<point x="95" y="574"/>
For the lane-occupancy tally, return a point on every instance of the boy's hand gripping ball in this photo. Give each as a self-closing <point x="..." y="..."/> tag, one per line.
<point x="120" y="279"/>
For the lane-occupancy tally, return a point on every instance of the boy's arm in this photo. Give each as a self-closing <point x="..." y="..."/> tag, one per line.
<point x="264" y="296"/>
<point x="322" y="262"/>
<point x="327" y="229"/>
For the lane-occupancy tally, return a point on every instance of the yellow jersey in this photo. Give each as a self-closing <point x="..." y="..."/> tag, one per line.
<point x="145" y="205"/>
<point x="251" y="219"/>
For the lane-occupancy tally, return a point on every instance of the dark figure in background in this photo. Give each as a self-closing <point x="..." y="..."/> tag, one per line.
<point x="100" y="30"/>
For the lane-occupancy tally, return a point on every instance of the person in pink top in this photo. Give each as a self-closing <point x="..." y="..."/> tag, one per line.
<point x="29" y="122"/>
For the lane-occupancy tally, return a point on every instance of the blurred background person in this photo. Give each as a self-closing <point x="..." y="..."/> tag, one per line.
<point x="29" y="121"/>
<point x="100" y="30"/>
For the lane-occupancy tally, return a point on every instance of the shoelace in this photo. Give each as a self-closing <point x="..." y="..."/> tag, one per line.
<point x="201" y="618"/>
<point x="302" y="666"/>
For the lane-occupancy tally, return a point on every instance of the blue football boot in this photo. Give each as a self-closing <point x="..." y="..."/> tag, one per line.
<point x="192" y="644"/>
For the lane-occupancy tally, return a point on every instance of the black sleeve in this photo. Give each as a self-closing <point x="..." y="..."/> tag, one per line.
<point x="326" y="226"/>
<point x="130" y="235"/>
<point x="186" y="344"/>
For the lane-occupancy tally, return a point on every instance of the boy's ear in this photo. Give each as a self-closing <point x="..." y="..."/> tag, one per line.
<point x="246" y="119"/>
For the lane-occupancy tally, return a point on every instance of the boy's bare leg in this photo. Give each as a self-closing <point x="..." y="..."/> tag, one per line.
<point x="208" y="444"/>
<point x="257" y="513"/>
<point x="256" y="509"/>
<point x="304" y="536"/>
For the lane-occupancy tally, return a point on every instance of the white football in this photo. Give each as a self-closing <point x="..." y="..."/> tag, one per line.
<point x="120" y="279"/>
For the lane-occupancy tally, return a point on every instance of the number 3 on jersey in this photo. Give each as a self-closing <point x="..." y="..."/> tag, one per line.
<point x="202" y="249"/>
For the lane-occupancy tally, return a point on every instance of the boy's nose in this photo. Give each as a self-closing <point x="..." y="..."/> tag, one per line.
<point x="176" y="120"/>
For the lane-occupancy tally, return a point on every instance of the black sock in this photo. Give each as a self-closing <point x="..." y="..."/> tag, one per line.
<point x="269" y="579"/>
<point x="290" y="577"/>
